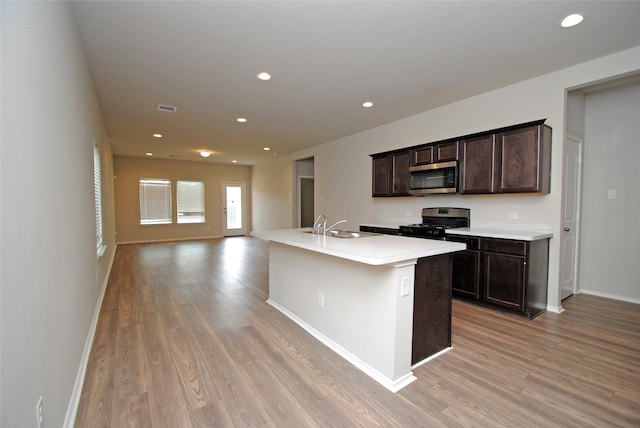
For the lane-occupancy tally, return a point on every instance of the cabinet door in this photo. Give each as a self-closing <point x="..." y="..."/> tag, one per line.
<point x="431" y="307"/>
<point x="381" y="178"/>
<point x="465" y="275"/>
<point x="504" y="278"/>
<point x="465" y="272"/>
<point x="521" y="160"/>
<point x="400" y="163"/>
<point x="446" y="152"/>
<point x="478" y="165"/>
<point x="422" y="155"/>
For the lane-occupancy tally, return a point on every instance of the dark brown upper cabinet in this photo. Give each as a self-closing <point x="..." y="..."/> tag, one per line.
<point x="391" y="174"/>
<point x="381" y="179"/>
<point x="525" y="160"/>
<point x="478" y="167"/>
<point x="434" y="153"/>
<point x="515" y="160"/>
<point x="422" y="155"/>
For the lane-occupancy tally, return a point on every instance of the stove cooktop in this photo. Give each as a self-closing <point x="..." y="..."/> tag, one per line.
<point x="435" y="221"/>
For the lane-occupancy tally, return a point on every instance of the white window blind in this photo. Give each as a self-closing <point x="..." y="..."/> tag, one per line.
<point x="97" y="196"/>
<point x="190" y="201"/>
<point x="155" y="201"/>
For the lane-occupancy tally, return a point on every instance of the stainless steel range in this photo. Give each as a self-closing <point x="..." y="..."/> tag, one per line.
<point x="436" y="220"/>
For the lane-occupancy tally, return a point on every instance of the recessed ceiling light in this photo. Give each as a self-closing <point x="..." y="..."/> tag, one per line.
<point x="205" y="154"/>
<point x="267" y="149"/>
<point x="241" y="119"/>
<point x="572" y="20"/>
<point x="264" y="76"/>
<point x="157" y="135"/>
<point x="149" y="154"/>
<point x="234" y="161"/>
<point x="367" y="104"/>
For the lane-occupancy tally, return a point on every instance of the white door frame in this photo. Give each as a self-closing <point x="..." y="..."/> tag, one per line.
<point x="243" y="199"/>
<point x="576" y="226"/>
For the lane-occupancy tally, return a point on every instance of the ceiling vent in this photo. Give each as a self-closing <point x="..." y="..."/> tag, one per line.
<point x="164" y="107"/>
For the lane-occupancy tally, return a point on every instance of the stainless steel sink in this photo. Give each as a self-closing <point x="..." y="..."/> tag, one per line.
<point x="339" y="233"/>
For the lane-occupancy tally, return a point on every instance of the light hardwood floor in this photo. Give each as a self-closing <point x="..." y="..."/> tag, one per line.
<point x="185" y="339"/>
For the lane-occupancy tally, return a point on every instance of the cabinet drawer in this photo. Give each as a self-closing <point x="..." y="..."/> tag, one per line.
<point x="472" y="243"/>
<point x="505" y="246"/>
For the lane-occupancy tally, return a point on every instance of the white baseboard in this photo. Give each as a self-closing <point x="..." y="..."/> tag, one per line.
<point x="72" y="409"/>
<point x="157" y="241"/>
<point x="555" y="309"/>
<point x="610" y="296"/>
<point x="392" y="385"/>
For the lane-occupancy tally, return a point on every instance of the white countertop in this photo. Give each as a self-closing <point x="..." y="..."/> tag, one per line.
<point x="502" y="233"/>
<point x="372" y="250"/>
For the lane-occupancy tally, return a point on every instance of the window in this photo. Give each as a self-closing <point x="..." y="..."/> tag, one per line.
<point x="190" y="201"/>
<point x="155" y="201"/>
<point x="97" y="199"/>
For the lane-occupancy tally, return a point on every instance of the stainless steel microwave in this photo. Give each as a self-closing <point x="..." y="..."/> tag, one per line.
<point x="434" y="178"/>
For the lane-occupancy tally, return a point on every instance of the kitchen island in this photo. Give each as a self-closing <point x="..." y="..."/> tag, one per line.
<point x="356" y="295"/>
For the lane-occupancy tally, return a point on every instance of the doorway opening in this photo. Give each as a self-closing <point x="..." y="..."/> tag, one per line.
<point x="233" y="209"/>
<point x="305" y="192"/>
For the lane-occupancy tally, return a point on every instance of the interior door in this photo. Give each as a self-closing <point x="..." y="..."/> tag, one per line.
<point x="306" y="189"/>
<point x="233" y="209"/>
<point x="570" y="217"/>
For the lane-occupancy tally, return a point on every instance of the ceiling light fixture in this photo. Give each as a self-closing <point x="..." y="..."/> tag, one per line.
<point x="572" y="20"/>
<point x="205" y="154"/>
<point x="241" y="119"/>
<point x="167" y="108"/>
<point x="149" y="154"/>
<point x="264" y="76"/>
<point x="157" y="135"/>
<point x="266" y="149"/>
<point x="234" y="161"/>
<point x="367" y="104"/>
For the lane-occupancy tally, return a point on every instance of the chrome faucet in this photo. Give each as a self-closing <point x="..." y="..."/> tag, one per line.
<point x="327" y="229"/>
<point x="318" y="227"/>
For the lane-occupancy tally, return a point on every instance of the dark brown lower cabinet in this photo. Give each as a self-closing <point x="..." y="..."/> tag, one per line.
<point x="502" y="273"/>
<point x="504" y="279"/>
<point x="465" y="274"/>
<point x="382" y="230"/>
<point x="431" y="307"/>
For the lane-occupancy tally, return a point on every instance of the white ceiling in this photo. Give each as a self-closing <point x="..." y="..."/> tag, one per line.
<point x="326" y="58"/>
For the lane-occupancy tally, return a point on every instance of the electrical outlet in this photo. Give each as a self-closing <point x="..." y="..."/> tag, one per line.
<point x="40" y="413"/>
<point x="321" y="299"/>
<point x="404" y="289"/>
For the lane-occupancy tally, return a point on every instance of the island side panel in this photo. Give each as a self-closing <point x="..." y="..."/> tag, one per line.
<point x="432" y="307"/>
<point x="357" y="306"/>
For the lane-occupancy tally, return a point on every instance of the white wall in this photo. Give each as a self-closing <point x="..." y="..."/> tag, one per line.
<point x="272" y="185"/>
<point x="610" y="239"/>
<point x="343" y="167"/>
<point x="50" y="279"/>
